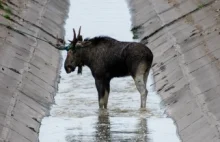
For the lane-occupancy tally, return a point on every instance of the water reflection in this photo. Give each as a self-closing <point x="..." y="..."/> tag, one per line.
<point x="107" y="129"/>
<point x="103" y="127"/>
<point x="143" y="130"/>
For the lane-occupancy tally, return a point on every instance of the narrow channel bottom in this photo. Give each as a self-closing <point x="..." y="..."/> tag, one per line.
<point x="105" y="128"/>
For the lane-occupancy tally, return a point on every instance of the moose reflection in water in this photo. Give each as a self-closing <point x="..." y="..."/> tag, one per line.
<point x="108" y="58"/>
<point x="107" y="129"/>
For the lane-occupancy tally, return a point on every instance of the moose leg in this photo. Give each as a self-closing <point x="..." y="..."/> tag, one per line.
<point x="141" y="87"/>
<point x="140" y="79"/>
<point x="107" y="89"/>
<point x="146" y="76"/>
<point x="103" y="92"/>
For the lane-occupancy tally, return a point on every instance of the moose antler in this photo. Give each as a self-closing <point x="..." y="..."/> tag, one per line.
<point x="74" y="35"/>
<point x="79" y="32"/>
<point x="76" y="38"/>
<point x="79" y="37"/>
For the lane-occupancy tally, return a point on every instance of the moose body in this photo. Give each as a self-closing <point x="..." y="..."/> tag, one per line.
<point x="108" y="58"/>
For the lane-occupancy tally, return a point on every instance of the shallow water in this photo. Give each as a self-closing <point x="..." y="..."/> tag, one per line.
<point x="75" y="117"/>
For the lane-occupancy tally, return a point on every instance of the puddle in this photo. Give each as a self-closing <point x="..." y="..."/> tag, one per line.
<point x="75" y="116"/>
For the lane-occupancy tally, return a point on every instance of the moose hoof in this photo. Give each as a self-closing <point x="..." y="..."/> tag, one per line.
<point x="143" y="109"/>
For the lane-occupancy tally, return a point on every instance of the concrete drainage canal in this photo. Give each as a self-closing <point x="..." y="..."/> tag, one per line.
<point x="75" y="116"/>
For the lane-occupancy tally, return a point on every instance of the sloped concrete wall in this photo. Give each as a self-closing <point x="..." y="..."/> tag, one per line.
<point x="184" y="36"/>
<point x="28" y="67"/>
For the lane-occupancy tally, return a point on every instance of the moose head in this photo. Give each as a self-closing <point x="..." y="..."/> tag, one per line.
<point x="71" y="61"/>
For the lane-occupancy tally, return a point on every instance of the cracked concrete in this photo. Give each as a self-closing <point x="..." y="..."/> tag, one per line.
<point x="184" y="37"/>
<point x="28" y="67"/>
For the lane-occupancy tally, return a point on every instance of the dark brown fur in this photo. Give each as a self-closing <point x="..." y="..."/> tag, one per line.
<point x="108" y="58"/>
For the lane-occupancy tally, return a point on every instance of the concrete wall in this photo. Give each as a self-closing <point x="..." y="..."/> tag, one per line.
<point x="28" y="67"/>
<point x="184" y="36"/>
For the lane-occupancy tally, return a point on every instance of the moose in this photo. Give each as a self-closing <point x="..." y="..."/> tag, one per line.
<point x="108" y="58"/>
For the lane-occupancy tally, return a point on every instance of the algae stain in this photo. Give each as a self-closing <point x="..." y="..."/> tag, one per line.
<point x="189" y="19"/>
<point x="201" y="6"/>
<point x="5" y="11"/>
<point x="136" y="31"/>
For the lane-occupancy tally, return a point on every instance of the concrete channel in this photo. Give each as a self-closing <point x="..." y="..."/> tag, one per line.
<point x="28" y="67"/>
<point x="75" y="116"/>
<point x="183" y="35"/>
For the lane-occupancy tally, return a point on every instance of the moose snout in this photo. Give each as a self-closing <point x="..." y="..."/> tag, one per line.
<point x="69" y="68"/>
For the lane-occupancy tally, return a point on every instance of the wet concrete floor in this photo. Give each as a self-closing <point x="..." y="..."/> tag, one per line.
<point x="75" y="117"/>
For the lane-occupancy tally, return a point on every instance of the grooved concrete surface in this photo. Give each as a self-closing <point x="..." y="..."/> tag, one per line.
<point x="184" y="36"/>
<point x="28" y="67"/>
